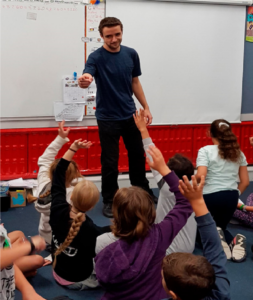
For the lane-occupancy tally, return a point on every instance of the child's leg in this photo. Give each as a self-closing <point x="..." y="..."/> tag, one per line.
<point x="222" y="206"/>
<point x="249" y="200"/>
<point x="245" y="217"/>
<point x="16" y="237"/>
<point x="29" y="264"/>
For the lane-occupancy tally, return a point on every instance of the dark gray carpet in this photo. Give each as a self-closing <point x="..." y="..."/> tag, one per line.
<point x="27" y="219"/>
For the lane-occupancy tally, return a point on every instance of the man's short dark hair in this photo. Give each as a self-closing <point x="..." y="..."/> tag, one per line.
<point x="109" y="22"/>
<point x="189" y="276"/>
<point x="181" y="165"/>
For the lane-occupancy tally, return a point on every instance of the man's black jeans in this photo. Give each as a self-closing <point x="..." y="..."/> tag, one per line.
<point x="110" y="133"/>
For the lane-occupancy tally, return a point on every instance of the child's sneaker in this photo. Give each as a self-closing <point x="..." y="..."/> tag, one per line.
<point x="239" y="248"/>
<point x="224" y="244"/>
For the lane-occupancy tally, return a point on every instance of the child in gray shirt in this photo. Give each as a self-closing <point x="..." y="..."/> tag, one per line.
<point x="185" y="240"/>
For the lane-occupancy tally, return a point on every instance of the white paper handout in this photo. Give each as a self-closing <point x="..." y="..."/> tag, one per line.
<point x="20" y="182"/>
<point x="72" y="93"/>
<point x="68" y="111"/>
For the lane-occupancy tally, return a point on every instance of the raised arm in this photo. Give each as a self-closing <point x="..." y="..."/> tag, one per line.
<point x="212" y="248"/>
<point x="58" y="184"/>
<point x="46" y="159"/>
<point x="175" y="220"/>
<point x="140" y="122"/>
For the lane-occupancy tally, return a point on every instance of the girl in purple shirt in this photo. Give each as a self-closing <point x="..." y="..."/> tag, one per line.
<point x="130" y="267"/>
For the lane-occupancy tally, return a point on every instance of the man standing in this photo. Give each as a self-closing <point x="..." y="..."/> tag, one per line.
<point x="116" y="69"/>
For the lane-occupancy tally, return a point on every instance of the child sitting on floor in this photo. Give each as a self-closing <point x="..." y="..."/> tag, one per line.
<point x="74" y="233"/>
<point x="190" y="277"/>
<point x="10" y="274"/>
<point x="185" y="240"/>
<point x="130" y="268"/>
<point x="28" y="264"/>
<point x="221" y="164"/>
<point x="244" y="213"/>
<point x="47" y="164"/>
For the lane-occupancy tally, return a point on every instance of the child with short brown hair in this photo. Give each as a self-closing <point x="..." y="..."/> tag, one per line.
<point x="190" y="277"/>
<point x="181" y="165"/>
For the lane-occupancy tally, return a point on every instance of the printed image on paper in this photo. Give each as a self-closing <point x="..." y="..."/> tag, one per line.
<point x="72" y="93"/>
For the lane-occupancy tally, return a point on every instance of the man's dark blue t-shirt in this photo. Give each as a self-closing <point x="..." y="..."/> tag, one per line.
<point x="113" y="73"/>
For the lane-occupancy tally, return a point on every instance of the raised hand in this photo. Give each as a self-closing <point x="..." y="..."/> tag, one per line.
<point x="158" y="162"/>
<point x="139" y="120"/>
<point x="251" y="141"/>
<point x="192" y="191"/>
<point x="85" y="80"/>
<point x="148" y="117"/>
<point x="63" y="133"/>
<point x="79" y="144"/>
<point x="39" y="243"/>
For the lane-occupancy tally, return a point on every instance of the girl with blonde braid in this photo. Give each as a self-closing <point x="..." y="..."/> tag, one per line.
<point x="47" y="164"/>
<point x="73" y="232"/>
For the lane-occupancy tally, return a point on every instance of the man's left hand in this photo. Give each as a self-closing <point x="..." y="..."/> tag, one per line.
<point x="148" y="116"/>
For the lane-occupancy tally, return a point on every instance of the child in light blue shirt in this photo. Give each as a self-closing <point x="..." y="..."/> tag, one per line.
<point x="221" y="174"/>
<point x="221" y="164"/>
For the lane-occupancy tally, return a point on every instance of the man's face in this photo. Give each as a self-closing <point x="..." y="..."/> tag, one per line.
<point x="112" y="37"/>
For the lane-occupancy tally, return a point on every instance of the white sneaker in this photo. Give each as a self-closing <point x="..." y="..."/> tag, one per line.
<point x="239" y="248"/>
<point x="224" y="244"/>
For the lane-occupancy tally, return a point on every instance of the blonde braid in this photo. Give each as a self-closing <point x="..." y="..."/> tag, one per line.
<point x="73" y="231"/>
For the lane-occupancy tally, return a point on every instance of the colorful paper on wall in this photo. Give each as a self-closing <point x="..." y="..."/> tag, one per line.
<point x="96" y="2"/>
<point x="249" y="32"/>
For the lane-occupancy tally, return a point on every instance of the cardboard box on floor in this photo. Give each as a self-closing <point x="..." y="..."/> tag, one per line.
<point x="18" y="198"/>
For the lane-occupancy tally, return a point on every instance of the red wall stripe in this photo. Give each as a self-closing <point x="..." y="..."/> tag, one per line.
<point x="21" y="148"/>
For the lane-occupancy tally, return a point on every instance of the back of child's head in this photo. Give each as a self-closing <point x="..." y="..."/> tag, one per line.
<point x="133" y="212"/>
<point x="71" y="173"/>
<point x="181" y="165"/>
<point x="229" y="148"/>
<point x="190" y="277"/>
<point x="84" y="197"/>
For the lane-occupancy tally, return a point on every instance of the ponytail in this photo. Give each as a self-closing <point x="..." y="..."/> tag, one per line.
<point x="73" y="231"/>
<point x="229" y="149"/>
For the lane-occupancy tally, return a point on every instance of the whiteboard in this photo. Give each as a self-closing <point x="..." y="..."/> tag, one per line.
<point x="191" y="57"/>
<point x="36" y="54"/>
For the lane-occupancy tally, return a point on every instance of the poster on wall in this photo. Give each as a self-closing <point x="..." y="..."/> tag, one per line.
<point x="249" y="31"/>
